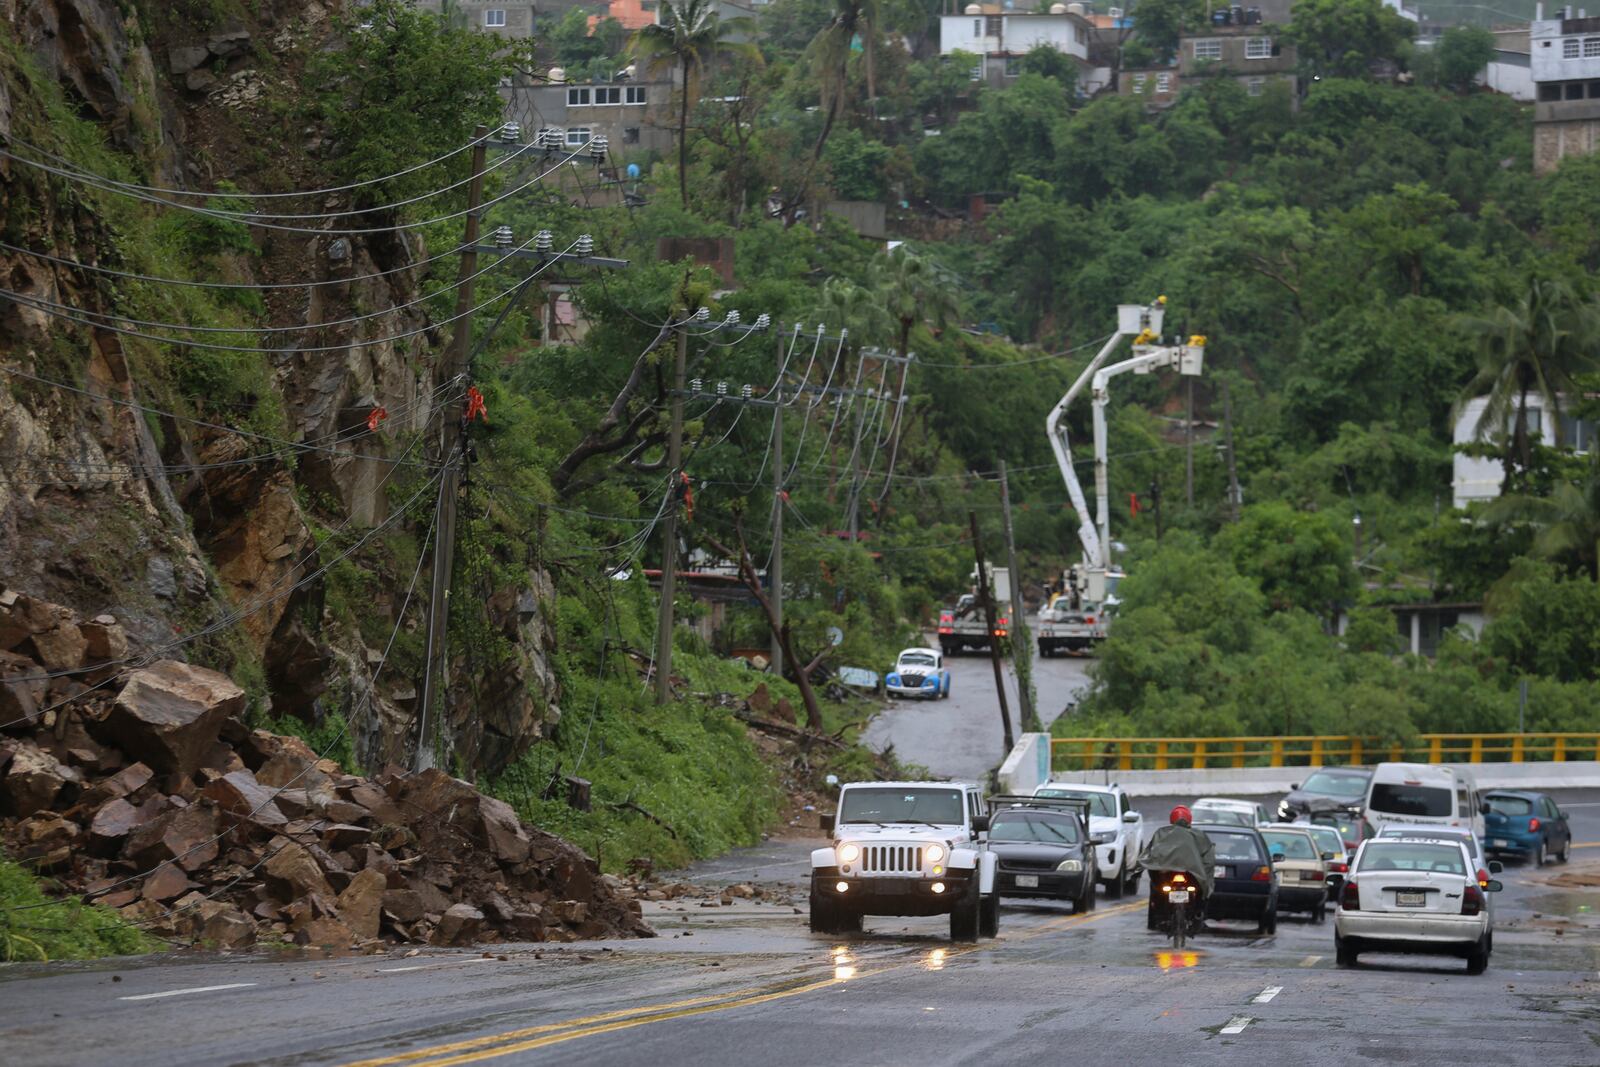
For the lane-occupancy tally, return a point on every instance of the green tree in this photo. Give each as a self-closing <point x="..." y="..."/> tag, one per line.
<point x="1160" y="22"/>
<point x="1567" y="521"/>
<point x="1344" y="38"/>
<point x="1301" y="559"/>
<point x="913" y="289"/>
<point x="689" y="36"/>
<point x="1543" y="623"/>
<point x="1461" y="54"/>
<point x="1535" y="346"/>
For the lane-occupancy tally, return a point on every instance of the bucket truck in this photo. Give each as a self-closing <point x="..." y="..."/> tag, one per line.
<point x="1077" y="617"/>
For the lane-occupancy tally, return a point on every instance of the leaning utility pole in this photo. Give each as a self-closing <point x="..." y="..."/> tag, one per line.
<point x="1188" y="442"/>
<point x="775" y="569"/>
<point x="1234" y="499"/>
<point x="450" y="436"/>
<point x="669" y="528"/>
<point x="987" y="598"/>
<point x="1021" y="650"/>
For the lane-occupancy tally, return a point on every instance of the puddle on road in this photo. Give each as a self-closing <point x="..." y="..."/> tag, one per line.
<point x="1177" y="961"/>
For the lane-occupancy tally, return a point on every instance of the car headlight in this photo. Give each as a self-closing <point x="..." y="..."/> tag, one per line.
<point x="935" y="853"/>
<point x="929" y="683"/>
<point x="848" y="853"/>
<point x="1104" y="837"/>
<point x="1070" y="866"/>
<point x="894" y="679"/>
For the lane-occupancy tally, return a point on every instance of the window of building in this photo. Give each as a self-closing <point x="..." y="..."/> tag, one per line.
<point x="578" y="97"/>
<point x="1569" y="48"/>
<point x="635" y="94"/>
<point x="1591" y="47"/>
<point x="1138" y="83"/>
<point x="494" y="17"/>
<point x="994" y="26"/>
<point x="630" y="135"/>
<point x="1574" y="90"/>
<point x="1079" y="36"/>
<point x="1577" y="434"/>
<point x="1211" y="48"/>
<point x="1163" y="83"/>
<point x="1255" y="86"/>
<point x="1258" y="48"/>
<point x="977" y="27"/>
<point x="577" y="135"/>
<point x="1013" y="66"/>
<point x="608" y="94"/>
<point x="1550" y="91"/>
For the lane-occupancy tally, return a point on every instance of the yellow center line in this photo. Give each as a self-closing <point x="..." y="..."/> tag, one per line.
<point x="1587" y="844"/>
<point x="526" y="1039"/>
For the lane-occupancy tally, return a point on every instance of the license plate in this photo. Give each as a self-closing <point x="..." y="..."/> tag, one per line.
<point x="1027" y="881"/>
<point x="1499" y="842"/>
<point x="1410" y="900"/>
<point x="1219" y="872"/>
<point x="1178" y="896"/>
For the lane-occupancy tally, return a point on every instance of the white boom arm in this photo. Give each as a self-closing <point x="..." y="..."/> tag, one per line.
<point x="1132" y="319"/>
<point x="1188" y="359"/>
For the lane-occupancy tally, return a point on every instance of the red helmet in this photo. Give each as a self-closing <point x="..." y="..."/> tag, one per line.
<point x="1181" y="815"/>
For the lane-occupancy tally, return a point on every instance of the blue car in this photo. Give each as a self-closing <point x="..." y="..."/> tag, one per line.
<point x="1526" y="825"/>
<point x="1246" y="884"/>
<point x="919" y="672"/>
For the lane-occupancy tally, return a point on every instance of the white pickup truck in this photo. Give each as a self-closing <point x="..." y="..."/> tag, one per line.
<point x="906" y="848"/>
<point x="1116" y="828"/>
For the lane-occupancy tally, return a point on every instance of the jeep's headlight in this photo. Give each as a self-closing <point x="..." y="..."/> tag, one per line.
<point x="848" y="853"/>
<point x="935" y="853"/>
<point x="1105" y="837"/>
<point x="1070" y="866"/>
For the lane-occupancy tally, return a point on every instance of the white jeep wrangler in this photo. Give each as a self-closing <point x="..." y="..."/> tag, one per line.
<point x="906" y="848"/>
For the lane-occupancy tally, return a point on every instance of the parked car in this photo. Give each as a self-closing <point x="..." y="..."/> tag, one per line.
<point x="1302" y="872"/>
<point x="1415" y="896"/>
<point x="1043" y="849"/>
<point x="1422" y="794"/>
<point x="1246" y="885"/>
<point x="1117" y="830"/>
<point x="1325" y="788"/>
<point x="1331" y="842"/>
<point x="1229" y="812"/>
<point x="919" y="672"/>
<point x="1526" y="825"/>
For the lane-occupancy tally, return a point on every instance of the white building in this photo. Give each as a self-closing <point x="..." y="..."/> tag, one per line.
<point x="1002" y="37"/>
<point x="1477" y="478"/>
<point x="1566" y="74"/>
<point x="1510" y="70"/>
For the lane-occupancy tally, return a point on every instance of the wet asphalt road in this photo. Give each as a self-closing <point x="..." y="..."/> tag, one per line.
<point x="747" y="984"/>
<point x="961" y="737"/>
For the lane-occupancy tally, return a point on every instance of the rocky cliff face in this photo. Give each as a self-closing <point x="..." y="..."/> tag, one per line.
<point x="109" y="507"/>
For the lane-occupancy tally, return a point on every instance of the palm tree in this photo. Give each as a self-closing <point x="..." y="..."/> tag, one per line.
<point x="913" y="289"/>
<point x="828" y="55"/>
<point x="452" y="14"/>
<point x="1537" y="345"/>
<point x="1568" y="519"/>
<point x="689" y="35"/>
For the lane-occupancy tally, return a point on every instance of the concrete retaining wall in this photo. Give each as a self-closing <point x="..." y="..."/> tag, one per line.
<point x="1028" y="765"/>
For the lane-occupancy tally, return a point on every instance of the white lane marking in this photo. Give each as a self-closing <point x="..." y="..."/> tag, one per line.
<point x="186" y="992"/>
<point x="1237" y="1024"/>
<point x="1310" y="961"/>
<point x="439" y="963"/>
<point x="1266" y="995"/>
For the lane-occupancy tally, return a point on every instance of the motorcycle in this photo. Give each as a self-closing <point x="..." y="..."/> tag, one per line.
<point x="1176" y="906"/>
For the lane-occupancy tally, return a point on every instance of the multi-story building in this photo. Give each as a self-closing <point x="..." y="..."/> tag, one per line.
<point x="1002" y="37"/>
<point x="1242" y="43"/>
<point x="633" y="116"/>
<point x="1566" y="75"/>
<point x="1478" y="477"/>
<point x="499" y="16"/>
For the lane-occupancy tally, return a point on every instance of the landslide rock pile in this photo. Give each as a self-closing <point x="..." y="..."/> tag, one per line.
<point x="150" y="795"/>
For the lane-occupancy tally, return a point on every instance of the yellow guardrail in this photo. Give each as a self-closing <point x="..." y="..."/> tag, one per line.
<point x="1199" y="753"/>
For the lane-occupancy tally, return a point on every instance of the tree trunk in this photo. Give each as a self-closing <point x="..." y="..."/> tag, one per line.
<point x="1524" y="452"/>
<point x="683" y="139"/>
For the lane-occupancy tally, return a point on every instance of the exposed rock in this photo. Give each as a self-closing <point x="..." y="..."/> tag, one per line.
<point x="240" y="795"/>
<point x="231" y="929"/>
<point x="34" y="779"/>
<point x="112" y="823"/>
<point x="458" y="926"/>
<point x="125" y="782"/>
<point x="228" y="43"/>
<point x="183" y="59"/>
<point x="187" y="836"/>
<point x="405" y="905"/>
<point x="169" y="715"/>
<point x="361" y="904"/>
<point x="61" y="647"/>
<point x="105" y="639"/>
<point x="292" y="872"/>
<point x="167" y="882"/>
<point x="341" y="836"/>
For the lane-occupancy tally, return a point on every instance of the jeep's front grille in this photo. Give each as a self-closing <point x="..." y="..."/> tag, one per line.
<point x="891" y="859"/>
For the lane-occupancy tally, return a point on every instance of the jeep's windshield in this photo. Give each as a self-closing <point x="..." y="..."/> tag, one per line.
<point x="916" y="659"/>
<point x="1101" y="804"/>
<point x="885" y="804"/>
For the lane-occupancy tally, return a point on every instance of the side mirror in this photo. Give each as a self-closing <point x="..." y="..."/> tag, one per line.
<point x="827" y="822"/>
<point x="1130" y="816"/>
<point x="1278" y="857"/>
<point x="980" y="824"/>
<point x="1495" y="885"/>
<point x="1327" y="855"/>
<point x="1293" y="786"/>
<point x="1483" y="808"/>
<point x="1495" y="866"/>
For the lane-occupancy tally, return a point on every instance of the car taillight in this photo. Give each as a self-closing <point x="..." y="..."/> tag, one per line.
<point x="1351" y="898"/>
<point x="1088" y="620"/>
<point x="1350" y="846"/>
<point x="1263" y="874"/>
<point x="1471" y="899"/>
<point x="1483" y="878"/>
<point x="1338" y="868"/>
<point x="1533" y="824"/>
<point x="1315" y="876"/>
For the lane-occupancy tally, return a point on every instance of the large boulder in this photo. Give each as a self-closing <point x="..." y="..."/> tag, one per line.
<point x="453" y="808"/>
<point x="169" y="715"/>
<point x="239" y="795"/>
<point x="293" y="873"/>
<point x="187" y="836"/>
<point x="361" y="904"/>
<point x="458" y="926"/>
<point x="34" y="779"/>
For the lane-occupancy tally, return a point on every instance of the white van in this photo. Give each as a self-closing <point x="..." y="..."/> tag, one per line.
<point x="1420" y="794"/>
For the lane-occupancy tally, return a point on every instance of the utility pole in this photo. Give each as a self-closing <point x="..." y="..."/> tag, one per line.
<point x="1021" y="649"/>
<point x="455" y="364"/>
<point x="854" y="510"/>
<point x="775" y="570"/>
<point x="987" y="599"/>
<point x="1188" y="442"/>
<point x="669" y="529"/>
<point x="1233" y="471"/>
<point x="1155" y="502"/>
